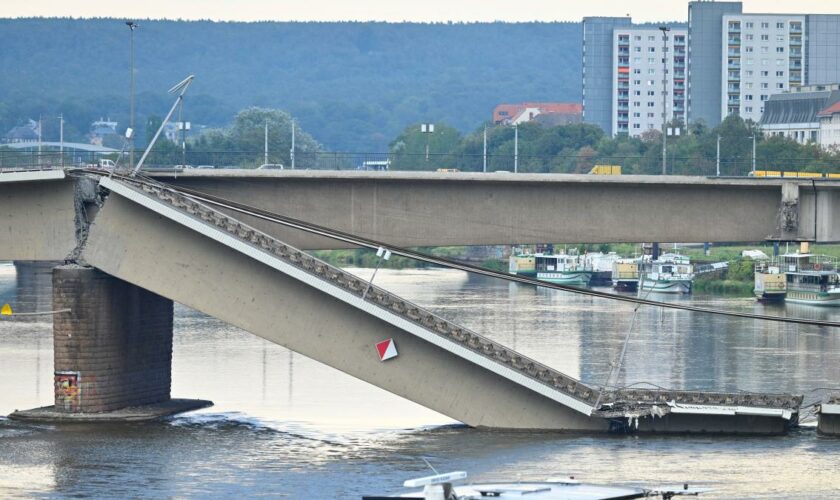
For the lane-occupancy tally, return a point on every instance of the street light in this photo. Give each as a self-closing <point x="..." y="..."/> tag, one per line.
<point x="428" y="129"/>
<point x="131" y="26"/>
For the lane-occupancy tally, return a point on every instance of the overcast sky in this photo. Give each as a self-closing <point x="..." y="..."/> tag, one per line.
<point x="388" y="10"/>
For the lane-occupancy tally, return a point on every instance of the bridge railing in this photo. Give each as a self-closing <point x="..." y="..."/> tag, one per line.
<point x="171" y="157"/>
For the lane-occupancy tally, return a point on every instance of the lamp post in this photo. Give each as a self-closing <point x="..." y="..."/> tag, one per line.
<point x="61" y="138"/>
<point x="484" y="157"/>
<point x="664" y="30"/>
<point x="428" y="129"/>
<point x="516" y="148"/>
<point x="131" y="26"/>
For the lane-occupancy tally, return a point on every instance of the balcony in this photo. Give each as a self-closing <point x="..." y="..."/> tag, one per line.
<point x="679" y="86"/>
<point x="734" y="76"/>
<point x="734" y="87"/>
<point x="795" y="65"/>
<point x="679" y="74"/>
<point x="795" y="41"/>
<point x="623" y="52"/>
<point x="796" y="29"/>
<point x="734" y="64"/>
<point x="795" y="52"/>
<point x="623" y="85"/>
<point x="735" y="52"/>
<point x="734" y="28"/>
<point x="734" y="40"/>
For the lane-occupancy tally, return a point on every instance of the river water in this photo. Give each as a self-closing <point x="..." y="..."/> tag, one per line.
<point x="284" y="425"/>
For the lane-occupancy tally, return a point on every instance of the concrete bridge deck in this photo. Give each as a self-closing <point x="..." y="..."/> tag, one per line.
<point x="410" y="209"/>
<point x="180" y="249"/>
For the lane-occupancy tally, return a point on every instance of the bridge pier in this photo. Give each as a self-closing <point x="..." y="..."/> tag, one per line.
<point x="113" y="351"/>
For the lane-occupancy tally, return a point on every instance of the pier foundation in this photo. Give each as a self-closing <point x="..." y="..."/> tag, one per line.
<point x="113" y="350"/>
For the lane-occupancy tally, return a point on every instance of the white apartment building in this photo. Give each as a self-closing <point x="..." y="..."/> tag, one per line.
<point x="641" y="60"/>
<point x="763" y="56"/>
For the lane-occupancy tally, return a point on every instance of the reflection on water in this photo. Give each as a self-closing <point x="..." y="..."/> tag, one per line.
<point x="287" y="425"/>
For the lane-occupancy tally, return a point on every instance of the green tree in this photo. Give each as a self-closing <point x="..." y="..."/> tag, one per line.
<point x="408" y="150"/>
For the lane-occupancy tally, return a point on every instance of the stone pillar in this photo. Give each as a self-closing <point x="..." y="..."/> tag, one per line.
<point x="114" y="348"/>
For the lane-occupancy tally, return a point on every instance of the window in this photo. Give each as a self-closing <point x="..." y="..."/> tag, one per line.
<point x="750" y="25"/>
<point x="780" y="50"/>
<point x="637" y="60"/>
<point x="765" y="25"/>
<point x="749" y="37"/>
<point x="651" y="92"/>
<point x="763" y="98"/>
<point x="780" y="38"/>
<point x="765" y="38"/>
<point x="765" y="73"/>
<point x="637" y="49"/>
<point x="651" y="49"/>
<point x="765" y="85"/>
<point x="780" y="86"/>
<point x="651" y="115"/>
<point x="651" y="71"/>
<point x="637" y="82"/>
<point x="780" y="62"/>
<point x="637" y="115"/>
<point x="636" y="125"/>
<point x="764" y="50"/>
<point x="650" y="83"/>
<point x="748" y="109"/>
<point x="749" y="72"/>
<point x="748" y="49"/>
<point x="651" y="38"/>
<point x="749" y="62"/>
<point x="748" y="97"/>
<point x="651" y="104"/>
<point x="780" y="26"/>
<point x="638" y="38"/>
<point x="637" y="104"/>
<point x="780" y="73"/>
<point x="765" y="62"/>
<point x="748" y="85"/>
<point x="637" y="92"/>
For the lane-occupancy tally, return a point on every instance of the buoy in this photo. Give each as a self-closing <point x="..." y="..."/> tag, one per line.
<point x="6" y="310"/>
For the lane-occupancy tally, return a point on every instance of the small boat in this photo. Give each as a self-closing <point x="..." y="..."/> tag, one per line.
<point x="561" y="269"/>
<point x="601" y="265"/>
<point x="625" y="274"/>
<point x="440" y="487"/>
<point x="811" y="279"/>
<point x="769" y="281"/>
<point x="670" y="273"/>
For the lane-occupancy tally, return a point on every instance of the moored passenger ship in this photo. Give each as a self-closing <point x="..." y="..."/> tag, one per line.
<point x="811" y="279"/>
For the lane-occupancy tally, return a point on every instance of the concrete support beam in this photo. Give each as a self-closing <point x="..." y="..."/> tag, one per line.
<point x="114" y="348"/>
<point x="37" y="216"/>
<point x="820" y="213"/>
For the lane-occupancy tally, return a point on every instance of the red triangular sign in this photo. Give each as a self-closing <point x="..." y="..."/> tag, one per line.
<point x="387" y="349"/>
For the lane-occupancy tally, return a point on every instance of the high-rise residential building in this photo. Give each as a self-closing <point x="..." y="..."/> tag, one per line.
<point x="764" y="56"/>
<point x="598" y="59"/>
<point x="705" y="46"/>
<point x="646" y="64"/>
<point x="733" y="63"/>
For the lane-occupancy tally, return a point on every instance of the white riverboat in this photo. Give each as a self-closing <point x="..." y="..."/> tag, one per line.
<point x="562" y="269"/>
<point x="440" y="487"/>
<point x="670" y="273"/>
<point x="811" y="279"/>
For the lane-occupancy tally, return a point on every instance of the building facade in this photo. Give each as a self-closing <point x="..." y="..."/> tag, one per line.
<point x="830" y="127"/>
<point x="646" y="65"/>
<point x="597" y="84"/>
<point x="764" y="56"/>
<point x="705" y="46"/>
<point x="796" y="114"/>
<point x="554" y="113"/>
